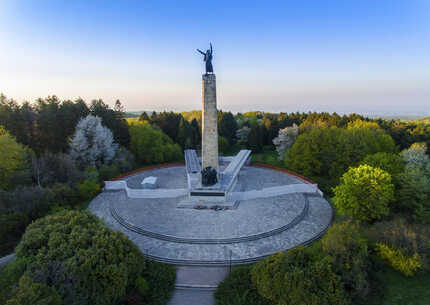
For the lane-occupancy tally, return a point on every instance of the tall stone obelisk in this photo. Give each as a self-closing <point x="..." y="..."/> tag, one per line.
<point x="210" y="122"/>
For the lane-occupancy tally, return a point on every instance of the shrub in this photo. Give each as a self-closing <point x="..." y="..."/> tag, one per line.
<point x="237" y="289"/>
<point x="88" y="189"/>
<point x="348" y="248"/>
<point x="105" y="262"/>
<point x="9" y="277"/>
<point x="31" y="293"/>
<point x="55" y="274"/>
<point x="403" y="236"/>
<point x="142" y="286"/>
<point x="298" y="277"/>
<point x="405" y="264"/>
<point x="161" y="279"/>
<point x="65" y="195"/>
<point x="108" y="172"/>
<point x="364" y="193"/>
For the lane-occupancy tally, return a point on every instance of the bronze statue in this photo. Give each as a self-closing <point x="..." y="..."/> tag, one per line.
<point x="208" y="59"/>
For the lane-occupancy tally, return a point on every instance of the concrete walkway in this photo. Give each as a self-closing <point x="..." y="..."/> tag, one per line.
<point x="196" y="285"/>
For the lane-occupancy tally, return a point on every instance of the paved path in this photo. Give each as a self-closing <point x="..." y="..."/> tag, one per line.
<point x="196" y="285"/>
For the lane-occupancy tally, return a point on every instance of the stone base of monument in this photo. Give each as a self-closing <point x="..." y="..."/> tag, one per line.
<point x="218" y="194"/>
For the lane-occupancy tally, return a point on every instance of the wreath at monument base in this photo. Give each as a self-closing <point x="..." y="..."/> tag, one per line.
<point x="209" y="176"/>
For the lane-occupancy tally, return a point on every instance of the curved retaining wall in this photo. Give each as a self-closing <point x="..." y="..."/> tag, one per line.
<point x="142" y="231"/>
<point x="234" y="261"/>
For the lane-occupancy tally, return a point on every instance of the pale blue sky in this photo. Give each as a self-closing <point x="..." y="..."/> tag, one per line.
<point x="344" y="56"/>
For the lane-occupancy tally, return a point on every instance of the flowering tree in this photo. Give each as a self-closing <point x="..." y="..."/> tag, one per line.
<point x="285" y="139"/>
<point x="92" y="144"/>
<point x="416" y="157"/>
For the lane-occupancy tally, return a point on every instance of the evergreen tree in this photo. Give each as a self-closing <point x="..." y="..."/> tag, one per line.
<point x="114" y="120"/>
<point x="227" y="126"/>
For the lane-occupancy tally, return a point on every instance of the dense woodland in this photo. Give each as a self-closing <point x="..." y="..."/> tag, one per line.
<point x="56" y="154"/>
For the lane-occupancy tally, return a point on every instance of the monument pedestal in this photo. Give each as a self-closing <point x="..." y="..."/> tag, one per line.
<point x="209" y="123"/>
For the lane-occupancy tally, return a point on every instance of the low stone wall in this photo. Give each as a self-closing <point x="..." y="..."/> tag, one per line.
<point x="173" y="194"/>
<point x="144" y="193"/>
<point x="147" y="168"/>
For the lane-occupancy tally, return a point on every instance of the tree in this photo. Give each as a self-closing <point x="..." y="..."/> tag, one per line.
<point x="349" y="250"/>
<point x="144" y="117"/>
<point x="197" y="138"/>
<point x="52" y="168"/>
<point x="255" y="139"/>
<point x="416" y="157"/>
<point x="238" y="289"/>
<point x="112" y="119"/>
<point x="14" y="158"/>
<point x="223" y="144"/>
<point x="104" y="261"/>
<point x="185" y="134"/>
<point x="242" y="134"/>
<point x="364" y="194"/>
<point x="29" y="292"/>
<point x="152" y="146"/>
<point x="389" y="162"/>
<point x="414" y="194"/>
<point x="285" y="140"/>
<point x="324" y="154"/>
<point x="298" y="277"/>
<point x="92" y="144"/>
<point x="227" y="126"/>
<point x="168" y="123"/>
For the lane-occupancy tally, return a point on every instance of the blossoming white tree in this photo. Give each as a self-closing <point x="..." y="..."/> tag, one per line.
<point x="285" y="139"/>
<point x="92" y="144"/>
<point x="416" y="157"/>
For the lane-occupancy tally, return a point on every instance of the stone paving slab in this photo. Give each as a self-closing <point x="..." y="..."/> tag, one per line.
<point x="252" y="217"/>
<point x="174" y="177"/>
<point x="311" y="227"/>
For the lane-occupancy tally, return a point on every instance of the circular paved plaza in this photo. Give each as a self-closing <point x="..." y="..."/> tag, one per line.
<point x="270" y="221"/>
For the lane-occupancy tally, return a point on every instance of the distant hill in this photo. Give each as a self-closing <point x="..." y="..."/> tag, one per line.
<point x="134" y="114"/>
<point x="425" y="120"/>
<point x="400" y="117"/>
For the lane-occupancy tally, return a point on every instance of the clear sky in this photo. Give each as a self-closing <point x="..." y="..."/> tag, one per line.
<point x="344" y="56"/>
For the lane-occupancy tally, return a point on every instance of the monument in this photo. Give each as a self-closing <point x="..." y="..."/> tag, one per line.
<point x="217" y="210"/>
<point x="209" y="119"/>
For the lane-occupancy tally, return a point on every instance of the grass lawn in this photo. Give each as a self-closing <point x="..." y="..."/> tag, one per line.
<point x="402" y="290"/>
